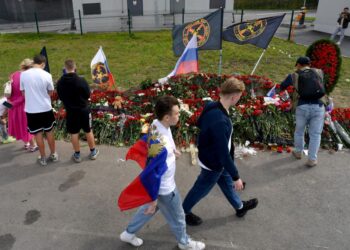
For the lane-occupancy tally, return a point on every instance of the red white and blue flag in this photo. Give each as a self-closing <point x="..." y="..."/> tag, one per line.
<point x="272" y="92"/>
<point x="100" y="72"/>
<point x="145" y="187"/>
<point x="188" y="61"/>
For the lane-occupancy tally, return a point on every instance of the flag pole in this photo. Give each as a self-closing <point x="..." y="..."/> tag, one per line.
<point x="220" y="62"/>
<point x="220" y="56"/>
<point x="257" y="63"/>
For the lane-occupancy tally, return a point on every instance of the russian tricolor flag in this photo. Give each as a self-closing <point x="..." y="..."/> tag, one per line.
<point x="188" y="61"/>
<point x="145" y="187"/>
<point x="272" y="92"/>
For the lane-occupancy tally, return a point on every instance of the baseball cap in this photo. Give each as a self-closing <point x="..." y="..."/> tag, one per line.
<point x="303" y="60"/>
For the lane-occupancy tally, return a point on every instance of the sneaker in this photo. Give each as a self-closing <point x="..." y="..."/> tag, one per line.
<point x="193" y="220"/>
<point x="93" y="155"/>
<point x="42" y="161"/>
<point x="247" y="205"/>
<point x="33" y="148"/>
<point x="337" y="43"/>
<point x="131" y="239"/>
<point x="311" y="163"/>
<point x="192" y="245"/>
<point x="26" y="146"/>
<point x="8" y="140"/>
<point x="53" y="157"/>
<point x="76" y="158"/>
<point x="297" y="154"/>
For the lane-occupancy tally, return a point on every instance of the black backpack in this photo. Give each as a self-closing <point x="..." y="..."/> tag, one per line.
<point x="310" y="85"/>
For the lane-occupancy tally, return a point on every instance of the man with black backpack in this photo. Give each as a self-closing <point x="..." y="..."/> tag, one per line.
<point x="310" y="111"/>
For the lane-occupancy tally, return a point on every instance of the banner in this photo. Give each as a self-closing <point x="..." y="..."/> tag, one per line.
<point x="208" y="30"/>
<point x="258" y="32"/>
<point x="100" y="72"/>
<point x="44" y="53"/>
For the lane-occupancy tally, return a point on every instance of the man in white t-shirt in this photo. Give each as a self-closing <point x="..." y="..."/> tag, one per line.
<point x="37" y="86"/>
<point x="169" y="200"/>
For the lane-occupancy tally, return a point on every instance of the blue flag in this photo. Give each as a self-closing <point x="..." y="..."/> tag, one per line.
<point x="208" y="30"/>
<point x="43" y="52"/>
<point x="258" y="32"/>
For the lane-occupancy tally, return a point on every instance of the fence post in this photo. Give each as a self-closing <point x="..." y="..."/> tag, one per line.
<point x="129" y="22"/>
<point x="81" y="24"/>
<point x="242" y="13"/>
<point x="36" y="22"/>
<point x="291" y="25"/>
<point x="183" y="15"/>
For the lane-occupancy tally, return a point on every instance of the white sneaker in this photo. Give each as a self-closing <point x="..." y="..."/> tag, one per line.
<point x="131" y="239"/>
<point x="192" y="245"/>
<point x="337" y="43"/>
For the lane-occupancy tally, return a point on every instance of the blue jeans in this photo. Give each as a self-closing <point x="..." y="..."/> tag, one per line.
<point x="205" y="182"/>
<point x="342" y="33"/>
<point x="170" y="206"/>
<point x="311" y="115"/>
<point x="3" y="131"/>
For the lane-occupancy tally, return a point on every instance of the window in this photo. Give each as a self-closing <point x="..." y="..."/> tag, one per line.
<point x="92" y="8"/>
<point x="135" y="7"/>
<point x="216" y="4"/>
<point x="176" y="6"/>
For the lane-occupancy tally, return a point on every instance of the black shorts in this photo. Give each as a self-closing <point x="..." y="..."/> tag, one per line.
<point x="77" y="120"/>
<point x="40" y="122"/>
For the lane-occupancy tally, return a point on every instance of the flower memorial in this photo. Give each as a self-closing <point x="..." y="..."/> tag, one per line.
<point x="120" y="117"/>
<point x="325" y="55"/>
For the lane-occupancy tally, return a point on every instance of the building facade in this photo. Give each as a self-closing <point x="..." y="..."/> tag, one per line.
<point x="25" y="10"/>
<point x="112" y="15"/>
<point x="328" y="13"/>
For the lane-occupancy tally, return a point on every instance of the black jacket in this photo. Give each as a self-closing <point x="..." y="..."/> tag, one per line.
<point x="346" y="19"/>
<point x="73" y="91"/>
<point x="215" y="132"/>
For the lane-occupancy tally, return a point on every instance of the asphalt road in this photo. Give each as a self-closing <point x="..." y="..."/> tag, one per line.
<point x="73" y="206"/>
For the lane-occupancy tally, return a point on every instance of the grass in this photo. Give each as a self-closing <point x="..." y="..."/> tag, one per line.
<point x="148" y="55"/>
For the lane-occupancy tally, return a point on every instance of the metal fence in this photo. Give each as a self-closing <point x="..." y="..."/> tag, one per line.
<point x="109" y="22"/>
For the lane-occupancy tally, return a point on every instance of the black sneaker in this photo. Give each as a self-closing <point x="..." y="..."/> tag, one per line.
<point x="247" y="205"/>
<point x="193" y="220"/>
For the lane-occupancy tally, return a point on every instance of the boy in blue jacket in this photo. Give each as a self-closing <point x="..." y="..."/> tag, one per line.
<point x="215" y="154"/>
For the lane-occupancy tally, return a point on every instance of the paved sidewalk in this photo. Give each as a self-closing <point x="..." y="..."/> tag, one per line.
<point x="73" y="206"/>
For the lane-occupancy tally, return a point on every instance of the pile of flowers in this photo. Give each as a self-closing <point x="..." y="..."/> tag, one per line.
<point x="325" y="55"/>
<point x="119" y="117"/>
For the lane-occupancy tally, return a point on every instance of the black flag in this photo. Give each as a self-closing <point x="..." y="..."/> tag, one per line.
<point x="258" y="32"/>
<point x="43" y="53"/>
<point x="208" y="29"/>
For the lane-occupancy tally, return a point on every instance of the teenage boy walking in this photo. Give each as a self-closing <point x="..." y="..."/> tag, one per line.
<point x="169" y="200"/>
<point x="215" y="159"/>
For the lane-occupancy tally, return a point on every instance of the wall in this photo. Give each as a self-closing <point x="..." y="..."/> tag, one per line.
<point x="328" y="13"/>
<point x="156" y="14"/>
<point x="23" y="10"/>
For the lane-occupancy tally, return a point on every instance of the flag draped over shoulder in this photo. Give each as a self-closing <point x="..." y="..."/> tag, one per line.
<point x="100" y="71"/>
<point x="44" y="53"/>
<point x="208" y="29"/>
<point x="151" y="156"/>
<point x="258" y="32"/>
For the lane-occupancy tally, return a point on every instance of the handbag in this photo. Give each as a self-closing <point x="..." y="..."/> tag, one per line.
<point x="8" y="89"/>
